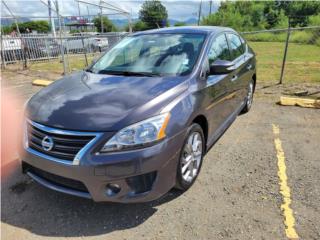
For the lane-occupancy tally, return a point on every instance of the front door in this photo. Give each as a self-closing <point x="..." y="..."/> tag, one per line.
<point x="218" y="97"/>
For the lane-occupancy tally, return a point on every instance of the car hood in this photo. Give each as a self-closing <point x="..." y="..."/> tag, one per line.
<point x="94" y="102"/>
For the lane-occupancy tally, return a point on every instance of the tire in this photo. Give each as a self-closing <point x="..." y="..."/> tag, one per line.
<point x="249" y="98"/>
<point x="184" y="180"/>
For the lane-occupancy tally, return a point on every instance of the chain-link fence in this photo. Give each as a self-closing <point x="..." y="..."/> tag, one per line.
<point x="68" y="50"/>
<point x="287" y="55"/>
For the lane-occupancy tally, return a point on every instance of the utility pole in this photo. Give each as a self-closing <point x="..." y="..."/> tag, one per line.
<point x="199" y="16"/>
<point x="129" y="23"/>
<point x="51" y="20"/>
<point x="88" y="13"/>
<point x="61" y="42"/>
<point x="79" y="16"/>
<point x="101" y="22"/>
<point x="210" y="11"/>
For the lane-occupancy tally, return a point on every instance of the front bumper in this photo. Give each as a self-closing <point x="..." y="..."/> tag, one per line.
<point x="128" y="170"/>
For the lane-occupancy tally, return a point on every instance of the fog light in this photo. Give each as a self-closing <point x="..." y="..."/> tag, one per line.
<point x="112" y="189"/>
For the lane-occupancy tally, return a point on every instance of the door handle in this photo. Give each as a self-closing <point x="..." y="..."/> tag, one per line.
<point x="235" y="77"/>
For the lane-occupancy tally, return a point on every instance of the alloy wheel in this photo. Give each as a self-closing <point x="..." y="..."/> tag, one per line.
<point x="191" y="157"/>
<point x="250" y="95"/>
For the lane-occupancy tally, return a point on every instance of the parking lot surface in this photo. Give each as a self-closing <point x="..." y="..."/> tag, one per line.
<point x="236" y="196"/>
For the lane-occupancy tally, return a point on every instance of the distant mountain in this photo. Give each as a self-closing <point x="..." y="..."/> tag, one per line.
<point x="8" y="22"/>
<point x="191" y="21"/>
<point x="121" y="23"/>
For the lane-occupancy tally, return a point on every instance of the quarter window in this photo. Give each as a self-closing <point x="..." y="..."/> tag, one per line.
<point x="236" y="47"/>
<point x="219" y="49"/>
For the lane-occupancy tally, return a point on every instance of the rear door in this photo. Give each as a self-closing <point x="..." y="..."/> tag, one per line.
<point x="238" y="81"/>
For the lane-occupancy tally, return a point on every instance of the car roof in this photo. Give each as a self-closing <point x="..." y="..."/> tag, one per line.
<point x="187" y="29"/>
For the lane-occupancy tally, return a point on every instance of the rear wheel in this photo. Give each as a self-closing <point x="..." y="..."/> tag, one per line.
<point x="190" y="158"/>
<point x="249" y="98"/>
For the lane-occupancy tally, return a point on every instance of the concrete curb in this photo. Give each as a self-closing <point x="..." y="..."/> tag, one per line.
<point x="301" y="102"/>
<point x="41" y="82"/>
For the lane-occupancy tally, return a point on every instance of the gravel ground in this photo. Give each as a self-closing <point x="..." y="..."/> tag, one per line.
<point x="235" y="197"/>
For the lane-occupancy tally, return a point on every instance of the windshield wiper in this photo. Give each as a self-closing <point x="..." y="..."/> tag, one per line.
<point x="127" y="73"/>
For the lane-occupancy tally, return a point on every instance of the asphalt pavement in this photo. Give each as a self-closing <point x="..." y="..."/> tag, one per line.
<point x="236" y="196"/>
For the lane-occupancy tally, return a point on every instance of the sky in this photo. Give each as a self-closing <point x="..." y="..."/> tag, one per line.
<point x="177" y="9"/>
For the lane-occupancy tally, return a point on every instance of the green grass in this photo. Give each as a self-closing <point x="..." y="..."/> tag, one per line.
<point x="303" y="62"/>
<point x="302" y="65"/>
<point x="76" y="62"/>
<point x="303" y="37"/>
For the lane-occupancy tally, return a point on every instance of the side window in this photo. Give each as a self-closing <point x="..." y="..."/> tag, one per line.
<point x="244" y="44"/>
<point x="236" y="47"/>
<point x="219" y="49"/>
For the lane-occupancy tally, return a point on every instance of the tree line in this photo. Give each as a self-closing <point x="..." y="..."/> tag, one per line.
<point x="254" y="15"/>
<point x="240" y="15"/>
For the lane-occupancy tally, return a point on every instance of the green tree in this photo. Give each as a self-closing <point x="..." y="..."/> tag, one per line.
<point x="254" y="15"/>
<point x="153" y="14"/>
<point x="41" y="26"/>
<point x="299" y="11"/>
<point x="108" y="26"/>
<point x="137" y="26"/>
<point x="6" y="29"/>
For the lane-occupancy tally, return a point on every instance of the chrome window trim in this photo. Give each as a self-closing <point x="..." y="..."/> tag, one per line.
<point x="79" y="155"/>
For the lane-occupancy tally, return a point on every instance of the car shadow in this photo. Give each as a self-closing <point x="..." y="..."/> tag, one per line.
<point x="45" y="212"/>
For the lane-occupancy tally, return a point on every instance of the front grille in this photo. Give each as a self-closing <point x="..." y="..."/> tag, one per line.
<point x="55" y="179"/>
<point x="65" y="147"/>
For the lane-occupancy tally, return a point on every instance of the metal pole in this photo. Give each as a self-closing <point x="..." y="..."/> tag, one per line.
<point x="210" y="11"/>
<point x="101" y="22"/>
<point x="53" y="28"/>
<point x="23" y="47"/>
<point x="129" y="23"/>
<point x="89" y="20"/>
<point x="61" y="42"/>
<point x="83" y="46"/>
<point x="79" y="14"/>
<point x="199" y="16"/>
<point x="3" y="60"/>
<point x="285" y="52"/>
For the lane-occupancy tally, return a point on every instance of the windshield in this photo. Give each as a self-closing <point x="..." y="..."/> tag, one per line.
<point x="152" y="54"/>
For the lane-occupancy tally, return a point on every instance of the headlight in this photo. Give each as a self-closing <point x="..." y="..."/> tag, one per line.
<point x="139" y="134"/>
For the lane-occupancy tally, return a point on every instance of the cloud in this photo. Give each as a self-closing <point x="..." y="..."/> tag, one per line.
<point x="177" y="9"/>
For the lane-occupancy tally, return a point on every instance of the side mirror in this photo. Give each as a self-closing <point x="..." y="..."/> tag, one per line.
<point x="221" y="67"/>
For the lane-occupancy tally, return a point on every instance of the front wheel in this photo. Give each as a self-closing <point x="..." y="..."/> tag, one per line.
<point x="249" y="98"/>
<point x="190" y="158"/>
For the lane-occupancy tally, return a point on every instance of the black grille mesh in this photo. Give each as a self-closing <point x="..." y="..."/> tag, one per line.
<point x="55" y="179"/>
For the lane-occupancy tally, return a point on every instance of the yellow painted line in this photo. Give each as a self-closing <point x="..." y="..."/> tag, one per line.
<point x="301" y="102"/>
<point x="41" y="82"/>
<point x="289" y="220"/>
